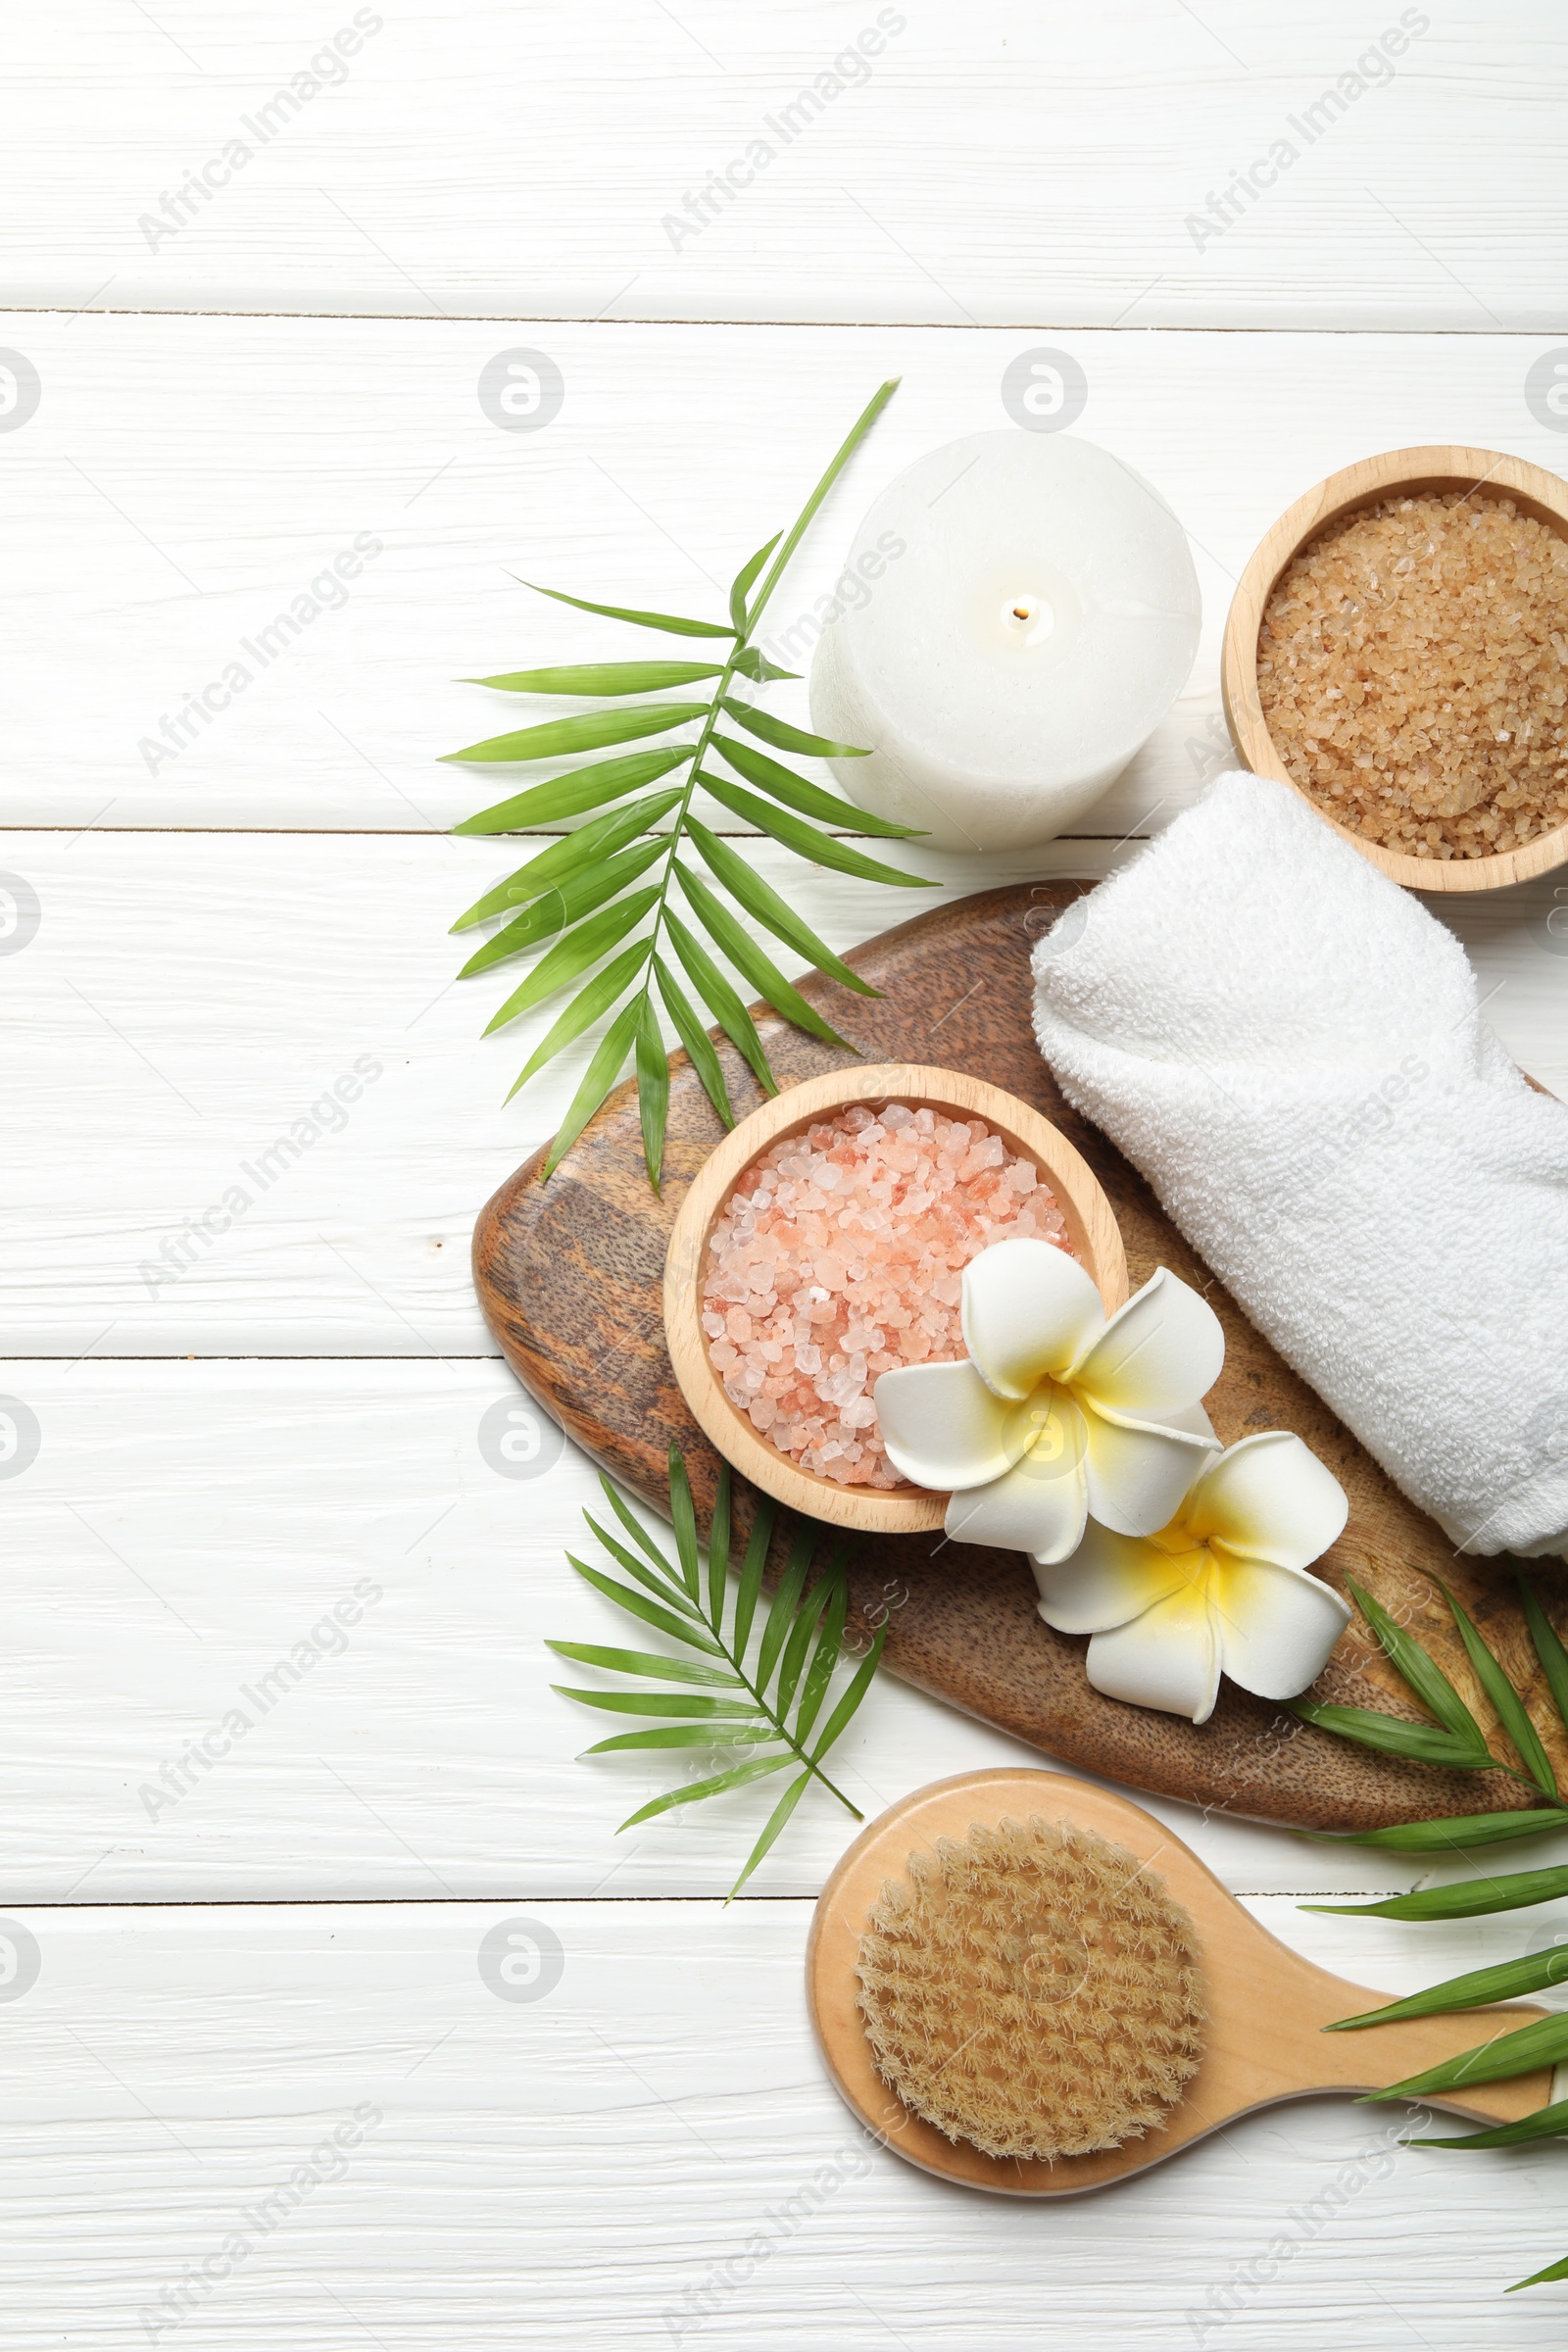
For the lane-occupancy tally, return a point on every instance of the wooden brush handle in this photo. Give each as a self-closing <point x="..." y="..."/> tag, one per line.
<point x="1363" y="2061"/>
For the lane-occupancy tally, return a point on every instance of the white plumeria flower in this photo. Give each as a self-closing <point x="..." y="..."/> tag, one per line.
<point x="1223" y="1589"/>
<point x="1058" y="1413"/>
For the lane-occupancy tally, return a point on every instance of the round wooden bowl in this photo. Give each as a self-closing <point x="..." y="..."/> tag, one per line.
<point x="1095" y="1236"/>
<point x="1398" y="471"/>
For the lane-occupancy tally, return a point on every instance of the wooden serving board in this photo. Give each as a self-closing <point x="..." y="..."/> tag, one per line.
<point x="569" y="1276"/>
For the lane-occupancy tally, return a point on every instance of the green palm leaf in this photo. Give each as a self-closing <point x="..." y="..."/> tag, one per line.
<point x="570" y="888"/>
<point x="784" y="738"/>
<point x="720" y="998"/>
<point x="1455" y="1832"/>
<point x="692" y="1704"/>
<point x="1508" y="1980"/>
<point x="563" y="860"/>
<point x="1419" y="1669"/>
<point x="1472" y="1898"/>
<point x="748" y="1591"/>
<point x="683" y="1519"/>
<point x="1420" y="1742"/>
<point x="603" y="990"/>
<point x="1500" y="2060"/>
<point x="580" y="788"/>
<point x="737" y="1778"/>
<point x="603" y="677"/>
<point x="783" y="784"/>
<point x="750" y="662"/>
<point x="824" y="848"/>
<point x="686" y="1734"/>
<point x="554" y="738"/>
<point x="786" y="1601"/>
<point x="652" y="1086"/>
<point x="1547" y="2123"/>
<point x="697" y="1042"/>
<point x="671" y="622"/>
<point x="598" y="1079"/>
<point x="674" y="1597"/>
<point x="747" y="957"/>
<point x="571" y="957"/>
<point x="1554" y="2270"/>
<point x="776" y="1821"/>
<point x="741" y="586"/>
<point x="718" y="1544"/>
<point x="762" y="902"/>
<point x="655" y="1665"/>
<point x="1510" y="1708"/>
<point x="637" y="1604"/>
<point x="1548" y="1648"/>
<point x="1458" y="1742"/>
<point x="653" y="1581"/>
<point x="557" y="909"/>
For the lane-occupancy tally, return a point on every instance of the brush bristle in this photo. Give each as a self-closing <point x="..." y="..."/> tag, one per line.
<point x="1033" y="1990"/>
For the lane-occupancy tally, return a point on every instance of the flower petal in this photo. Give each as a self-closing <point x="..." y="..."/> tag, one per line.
<point x="1028" y="1309"/>
<point x="1270" y="1499"/>
<point x="1276" y="1626"/>
<point x="1164" y="1348"/>
<point x="1108" y="1580"/>
<point x="1138" y="1470"/>
<point x="1167" y="1658"/>
<point x="1041" y="1505"/>
<point x="943" y="1429"/>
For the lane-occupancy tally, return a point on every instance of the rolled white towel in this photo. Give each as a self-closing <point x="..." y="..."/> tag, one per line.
<point x="1288" y="1047"/>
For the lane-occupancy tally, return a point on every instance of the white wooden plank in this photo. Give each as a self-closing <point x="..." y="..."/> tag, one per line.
<point x="183" y="481"/>
<point x="1000" y="166"/>
<point x="589" y="2167"/>
<point x="184" y="1527"/>
<point x="187" y="998"/>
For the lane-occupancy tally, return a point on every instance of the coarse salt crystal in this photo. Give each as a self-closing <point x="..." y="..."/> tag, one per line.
<point x="801" y="1328"/>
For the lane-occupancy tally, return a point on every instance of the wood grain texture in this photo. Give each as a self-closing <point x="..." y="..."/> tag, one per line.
<point x="1397" y="473"/>
<point x="184" y="480"/>
<point x="569" y="1276"/>
<point x="570" y="2171"/>
<point x="1001" y="164"/>
<point x="249" y="974"/>
<point x="1091" y="1229"/>
<point x="185" y="1523"/>
<point x="1264" y="2038"/>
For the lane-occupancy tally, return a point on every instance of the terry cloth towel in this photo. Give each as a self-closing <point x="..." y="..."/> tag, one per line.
<point x="1289" y="1045"/>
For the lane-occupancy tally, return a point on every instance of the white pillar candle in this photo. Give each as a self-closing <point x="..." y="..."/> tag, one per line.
<point x="1030" y="613"/>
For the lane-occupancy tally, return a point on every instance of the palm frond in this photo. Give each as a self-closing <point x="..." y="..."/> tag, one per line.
<point x="770" y="1701"/>
<point x="1455" y="1738"/>
<point x="577" y="899"/>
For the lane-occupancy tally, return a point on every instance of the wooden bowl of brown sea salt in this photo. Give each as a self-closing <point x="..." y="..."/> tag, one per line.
<point x="1398" y="651"/>
<point x="824" y="1243"/>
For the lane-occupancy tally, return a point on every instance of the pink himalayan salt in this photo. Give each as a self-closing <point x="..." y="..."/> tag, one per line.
<point x="840" y="1255"/>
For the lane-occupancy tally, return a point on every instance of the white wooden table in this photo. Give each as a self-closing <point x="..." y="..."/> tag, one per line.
<point x="240" y="375"/>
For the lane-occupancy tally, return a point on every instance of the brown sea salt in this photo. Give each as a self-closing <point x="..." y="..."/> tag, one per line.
<point x="840" y="1255"/>
<point x="1412" y="668"/>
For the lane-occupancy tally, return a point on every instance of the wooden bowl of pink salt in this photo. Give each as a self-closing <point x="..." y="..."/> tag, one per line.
<point x="824" y="1243"/>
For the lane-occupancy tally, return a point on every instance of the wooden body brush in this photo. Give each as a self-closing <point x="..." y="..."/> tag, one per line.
<point x="1019" y="1962"/>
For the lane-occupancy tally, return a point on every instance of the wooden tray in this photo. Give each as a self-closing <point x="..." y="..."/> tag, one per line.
<point x="570" y="1275"/>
